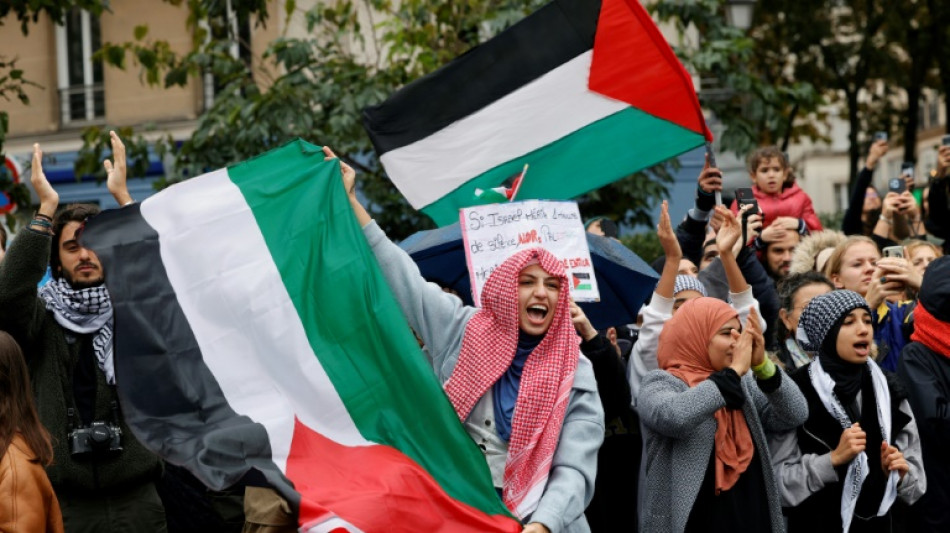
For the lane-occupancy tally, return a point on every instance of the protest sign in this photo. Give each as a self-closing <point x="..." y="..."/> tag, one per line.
<point x="493" y="233"/>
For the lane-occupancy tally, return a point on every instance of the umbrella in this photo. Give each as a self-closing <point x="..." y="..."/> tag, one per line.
<point x="625" y="281"/>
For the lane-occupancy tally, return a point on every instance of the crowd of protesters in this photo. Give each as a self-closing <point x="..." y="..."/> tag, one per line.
<point x="782" y="376"/>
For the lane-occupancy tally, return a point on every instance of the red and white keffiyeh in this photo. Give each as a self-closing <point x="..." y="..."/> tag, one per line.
<point x="488" y="348"/>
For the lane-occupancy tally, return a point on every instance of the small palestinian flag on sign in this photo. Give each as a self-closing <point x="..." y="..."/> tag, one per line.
<point x="581" y="281"/>
<point x="585" y="91"/>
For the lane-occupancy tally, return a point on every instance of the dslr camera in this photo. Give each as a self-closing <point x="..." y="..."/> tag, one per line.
<point x="98" y="437"/>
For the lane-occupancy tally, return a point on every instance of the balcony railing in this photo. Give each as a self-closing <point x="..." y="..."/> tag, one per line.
<point x="82" y="103"/>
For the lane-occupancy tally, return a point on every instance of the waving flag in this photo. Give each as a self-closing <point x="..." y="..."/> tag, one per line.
<point x="257" y="339"/>
<point x="585" y="91"/>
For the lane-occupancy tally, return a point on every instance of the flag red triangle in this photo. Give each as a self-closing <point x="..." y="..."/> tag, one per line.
<point x="633" y="63"/>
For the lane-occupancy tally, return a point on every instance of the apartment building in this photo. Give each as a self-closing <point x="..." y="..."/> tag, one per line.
<point x="75" y="91"/>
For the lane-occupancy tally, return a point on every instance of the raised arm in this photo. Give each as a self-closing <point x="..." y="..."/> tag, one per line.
<point x="26" y="260"/>
<point x="437" y="317"/>
<point x="851" y="224"/>
<point x="116" y="172"/>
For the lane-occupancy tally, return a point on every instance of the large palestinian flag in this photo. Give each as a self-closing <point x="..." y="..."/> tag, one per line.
<point x="257" y="339"/>
<point x="585" y="91"/>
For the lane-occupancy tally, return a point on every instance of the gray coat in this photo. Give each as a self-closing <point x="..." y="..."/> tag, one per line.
<point x="440" y="320"/>
<point x="679" y="434"/>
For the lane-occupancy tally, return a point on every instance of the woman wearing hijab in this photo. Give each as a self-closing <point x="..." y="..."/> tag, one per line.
<point x="859" y="449"/>
<point x="794" y="293"/>
<point x="705" y="419"/>
<point x="925" y="369"/>
<point x="513" y="372"/>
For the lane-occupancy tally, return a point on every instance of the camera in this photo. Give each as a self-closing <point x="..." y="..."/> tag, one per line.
<point x="98" y="437"/>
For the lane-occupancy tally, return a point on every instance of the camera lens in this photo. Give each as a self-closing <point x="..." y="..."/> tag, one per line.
<point x="100" y="435"/>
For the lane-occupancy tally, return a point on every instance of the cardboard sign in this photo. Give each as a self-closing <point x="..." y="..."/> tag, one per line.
<point x="493" y="233"/>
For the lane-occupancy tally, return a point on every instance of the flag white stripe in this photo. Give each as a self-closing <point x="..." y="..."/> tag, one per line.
<point x="537" y="114"/>
<point x="230" y="290"/>
<point x="332" y="524"/>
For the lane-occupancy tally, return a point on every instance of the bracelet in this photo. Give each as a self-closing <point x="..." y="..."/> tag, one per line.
<point x="765" y="370"/>
<point x="37" y="215"/>
<point x="889" y="221"/>
<point x="42" y="223"/>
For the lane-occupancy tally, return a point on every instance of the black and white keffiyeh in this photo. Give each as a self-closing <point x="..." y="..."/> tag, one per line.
<point x="858" y="469"/>
<point x="84" y="311"/>
<point x="817" y="331"/>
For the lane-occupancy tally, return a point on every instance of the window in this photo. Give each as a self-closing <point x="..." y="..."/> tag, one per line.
<point x="235" y="28"/>
<point x="81" y="95"/>
<point x="842" y="198"/>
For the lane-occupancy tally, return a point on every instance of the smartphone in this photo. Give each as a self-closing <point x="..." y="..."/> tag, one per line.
<point x="897" y="185"/>
<point x="880" y="136"/>
<point x="894" y="251"/>
<point x="712" y="163"/>
<point x="945" y="140"/>
<point x="907" y="168"/>
<point x="744" y="196"/>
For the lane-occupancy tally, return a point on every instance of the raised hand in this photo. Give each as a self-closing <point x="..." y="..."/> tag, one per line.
<point x="853" y="441"/>
<point x="668" y="240"/>
<point x="116" y="172"/>
<point x="742" y="352"/>
<point x="710" y="178"/>
<point x="349" y="185"/>
<point x="349" y="175"/>
<point x="754" y="328"/>
<point x="730" y="232"/>
<point x="49" y="198"/>
<point x="891" y="204"/>
<point x="875" y="153"/>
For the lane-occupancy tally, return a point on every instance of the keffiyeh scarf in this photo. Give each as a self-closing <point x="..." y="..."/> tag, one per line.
<point x="84" y="311"/>
<point x="858" y="469"/>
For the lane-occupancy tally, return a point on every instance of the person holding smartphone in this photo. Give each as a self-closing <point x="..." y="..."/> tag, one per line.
<point x="864" y="207"/>
<point x="937" y="221"/>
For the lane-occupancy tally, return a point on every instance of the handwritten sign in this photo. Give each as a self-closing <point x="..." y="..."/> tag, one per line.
<point x="493" y="233"/>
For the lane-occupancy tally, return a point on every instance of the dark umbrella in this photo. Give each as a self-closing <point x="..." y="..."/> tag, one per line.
<point x="625" y="281"/>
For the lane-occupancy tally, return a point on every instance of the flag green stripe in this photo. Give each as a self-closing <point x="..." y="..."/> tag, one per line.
<point x="565" y="169"/>
<point x="363" y="343"/>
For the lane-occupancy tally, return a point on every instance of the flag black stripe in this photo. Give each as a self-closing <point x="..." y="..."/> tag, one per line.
<point x="169" y="396"/>
<point x="548" y="38"/>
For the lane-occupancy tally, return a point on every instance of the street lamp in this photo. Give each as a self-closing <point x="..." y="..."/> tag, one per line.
<point x="739" y="13"/>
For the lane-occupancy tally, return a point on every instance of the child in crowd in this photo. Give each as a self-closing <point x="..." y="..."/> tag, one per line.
<point x="780" y="200"/>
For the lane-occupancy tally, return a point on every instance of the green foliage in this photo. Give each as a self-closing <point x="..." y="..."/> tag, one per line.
<point x="29" y="11"/>
<point x="749" y="79"/>
<point x="646" y="245"/>
<point x="831" y="220"/>
<point x="12" y="86"/>
<point x="316" y="88"/>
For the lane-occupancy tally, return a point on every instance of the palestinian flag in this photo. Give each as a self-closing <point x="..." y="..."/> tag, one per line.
<point x="256" y="339"/>
<point x="585" y="91"/>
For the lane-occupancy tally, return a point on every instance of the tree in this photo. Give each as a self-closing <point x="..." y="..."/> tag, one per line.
<point x="316" y="87"/>
<point x="747" y="79"/>
<point x="13" y="80"/>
